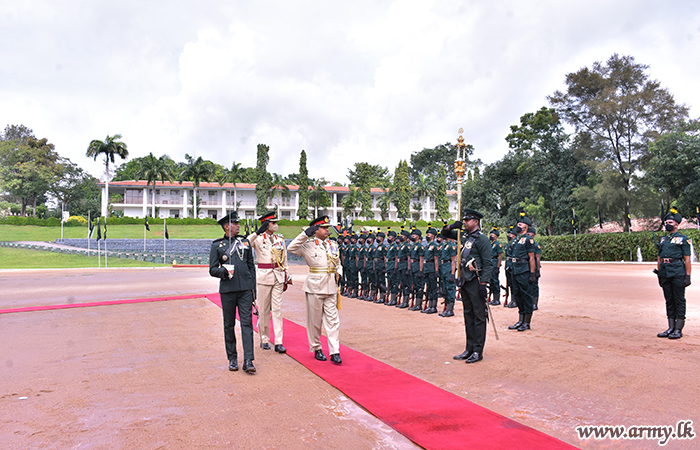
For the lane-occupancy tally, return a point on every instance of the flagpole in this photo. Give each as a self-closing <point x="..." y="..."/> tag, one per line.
<point x="165" y="227"/>
<point x="144" y="238"/>
<point x="88" y="237"/>
<point x="105" y="242"/>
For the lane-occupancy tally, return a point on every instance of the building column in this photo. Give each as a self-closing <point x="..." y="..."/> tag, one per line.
<point x="296" y="204"/>
<point x="223" y="204"/>
<point x="184" y="203"/>
<point x="145" y="202"/>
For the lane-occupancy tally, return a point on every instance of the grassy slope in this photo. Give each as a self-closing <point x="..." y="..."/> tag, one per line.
<point x="12" y="258"/>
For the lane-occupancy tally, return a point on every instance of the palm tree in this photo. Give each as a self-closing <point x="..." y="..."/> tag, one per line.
<point x="423" y="188"/>
<point x="350" y="201"/>
<point x="318" y="196"/>
<point x="384" y="202"/>
<point x="234" y="176"/>
<point x="196" y="171"/>
<point x="109" y="147"/>
<point x="153" y="169"/>
<point x="279" y="183"/>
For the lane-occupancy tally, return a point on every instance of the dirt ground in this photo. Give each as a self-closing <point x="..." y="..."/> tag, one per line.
<point x="154" y="375"/>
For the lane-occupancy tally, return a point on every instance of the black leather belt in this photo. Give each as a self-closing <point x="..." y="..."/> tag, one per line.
<point x="518" y="260"/>
<point x="670" y="260"/>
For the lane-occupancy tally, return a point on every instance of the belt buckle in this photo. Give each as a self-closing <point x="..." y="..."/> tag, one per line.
<point x="514" y="260"/>
<point x="666" y="260"/>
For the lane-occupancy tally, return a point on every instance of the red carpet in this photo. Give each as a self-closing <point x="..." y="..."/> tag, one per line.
<point x="427" y="415"/>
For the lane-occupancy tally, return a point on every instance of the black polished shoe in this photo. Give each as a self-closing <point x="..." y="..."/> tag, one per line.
<point x="248" y="366"/>
<point x="448" y="314"/>
<point x="280" y="349"/>
<point x="319" y="355"/>
<point x="233" y="365"/>
<point x="675" y="334"/>
<point x="523" y="326"/>
<point x="265" y="345"/>
<point x="474" y="357"/>
<point x="431" y="311"/>
<point x="495" y="302"/>
<point x="335" y="358"/>
<point x="462" y="356"/>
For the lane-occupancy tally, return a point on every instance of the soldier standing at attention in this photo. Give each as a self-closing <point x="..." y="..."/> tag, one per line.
<point x="231" y="260"/>
<point x="362" y="266"/>
<point x="524" y="270"/>
<point x="448" y="261"/>
<point x="405" y="268"/>
<point x="416" y="262"/>
<point x="380" y="268"/>
<point x="272" y="276"/>
<point x="352" y="266"/>
<point x="497" y="256"/>
<point x="392" y="253"/>
<point x="673" y="269"/>
<point x="475" y="265"/>
<point x="321" y="255"/>
<point x="509" y="270"/>
<point x="532" y="231"/>
<point x="431" y="270"/>
<point x="369" y="258"/>
<point x="343" y="254"/>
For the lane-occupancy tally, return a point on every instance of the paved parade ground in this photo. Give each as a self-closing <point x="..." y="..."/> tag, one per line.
<point x="154" y="374"/>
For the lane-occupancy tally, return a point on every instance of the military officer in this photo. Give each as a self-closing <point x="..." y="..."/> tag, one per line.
<point x="342" y="250"/>
<point x="524" y="270"/>
<point x="272" y="277"/>
<point x="532" y="231"/>
<point x="362" y="266"/>
<point x="431" y="270"/>
<point x="448" y="261"/>
<point x="509" y="272"/>
<point x="231" y="260"/>
<point x="392" y="270"/>
<point x="405" y="268"/>
<point x="380" y="267"/>
<point x="321" y="255"/>
<point x="673" y="268"/>
<point x="369" y="262"/>
<point x="475" y="269"/>
<point x="497" y="256"/>
<point x="416" y="262"/>
<point x="352" y="266"/>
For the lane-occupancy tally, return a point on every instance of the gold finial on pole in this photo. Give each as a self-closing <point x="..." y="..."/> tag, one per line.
<point x="460" y="169"/>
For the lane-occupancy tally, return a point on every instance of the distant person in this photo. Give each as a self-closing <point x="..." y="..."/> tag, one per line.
<point x="524" y="269"/>
<point x="272" y="276"/>
<point x="673" y="269"/>
<point x="321" y="288"/>
<point x="231" y="260"/>
<point x="497" y="257"/>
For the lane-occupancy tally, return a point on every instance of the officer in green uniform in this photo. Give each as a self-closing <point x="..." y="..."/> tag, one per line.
<point x="474" y="271"/>
<point x="416" y="261"/>
<point x="524" y="273"/>
<point x="392" y="271"/>
<point x="231" y="260"/>
<point x="352" y="266"/>
<point x="380" y="252"/>
<point x="509" y="269"/>
<point x="673" y="269"/>
<point x="497" y="256"/>
<point x="532" y="231"/>
<point x="405" y="269"/>
<point x="342" y="254"/>
<point x="448" y="257"/>
<point x="369" y="258"/>
<point x="431" y="270"/>
<point x="362" y="267"/>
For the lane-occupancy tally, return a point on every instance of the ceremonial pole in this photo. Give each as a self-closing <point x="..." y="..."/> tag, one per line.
<point x="460" y="168"/>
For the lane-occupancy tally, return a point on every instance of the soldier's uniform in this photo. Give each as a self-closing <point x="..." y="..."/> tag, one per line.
<point x="352" y="267"/>
<point x="362" y="266"/>
<point x="369" y="262"/>
<point x="417" y="276"/>
<point x="474" y="270"/>
<point x="272" y="276"/>
<point x="320" y="286"/>
<point x="231" y="260"/>
<point x="342" y="251"/>
<point x="508" y="251"/>
<point x="673" y="270"/>
<point x="532" y="231"/>
<point x="405" y="269"/>
<point x="497" y="256"/>
<point x="524" y="270"/>
<point x="380" y="252"/>
<point x="392" y="271"/>
<point x="430" y="271"/>
<point x="448" y="255"/>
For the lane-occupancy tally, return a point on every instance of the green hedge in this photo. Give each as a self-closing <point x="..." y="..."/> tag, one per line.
<point x="159" y="221"/>
<point x="606" y="246"/>
<point x="50" y="222"/>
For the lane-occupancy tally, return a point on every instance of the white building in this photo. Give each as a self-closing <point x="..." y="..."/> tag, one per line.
<point x="175" y="200"/>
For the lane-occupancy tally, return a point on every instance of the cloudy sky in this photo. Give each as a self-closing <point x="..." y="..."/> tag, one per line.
<point x="348" y="81"/>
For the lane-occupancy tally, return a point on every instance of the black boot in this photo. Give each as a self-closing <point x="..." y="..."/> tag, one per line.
<point x="393" y="300"/>
<point x="676" y="333"/>
<point x="526" y="322"/>
<point x="671" y="327"/>
<point x="450" y="311"/>
<point x="517" y="324"/>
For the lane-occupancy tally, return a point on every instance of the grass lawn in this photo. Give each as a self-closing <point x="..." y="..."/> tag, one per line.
<point x="13" y="258"/>
<point x="34" y="233"/>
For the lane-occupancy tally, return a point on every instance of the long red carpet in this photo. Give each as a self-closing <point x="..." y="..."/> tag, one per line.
<point x="427" y="415"/>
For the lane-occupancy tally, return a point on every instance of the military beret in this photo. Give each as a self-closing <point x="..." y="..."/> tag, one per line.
<point x="371" y="236"/>
<point x="510" y="230"/>
<point x="353" y="236"/>
<point x="417" y="232"/>
<point x="495" y="231"/>
<point x="532" y="230"/>
<point x="390" y="232"/>
<point x="524" y="219"/>
<point x="405" y="233"/>
<point x="673" y="214"/>
<point x="432" y="231"/>
<point x="471" y="214"/>
<point x="381" y="234"/>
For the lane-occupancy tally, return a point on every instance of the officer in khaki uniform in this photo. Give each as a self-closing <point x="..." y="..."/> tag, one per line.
<point x="272" y="277"/>
<point x="321" y="288"/>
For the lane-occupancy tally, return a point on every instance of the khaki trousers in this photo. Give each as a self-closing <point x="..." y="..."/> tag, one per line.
<point x="322" y="310"/>
<point x="270" y="299"/>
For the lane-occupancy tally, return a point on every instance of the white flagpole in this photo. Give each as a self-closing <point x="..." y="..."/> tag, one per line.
<point x="165" y="227"/>
<point x="99" y="254"/>
<point x="89" y="234"/>
<point x="144" y="238"/>
<point x="105" y="243"/>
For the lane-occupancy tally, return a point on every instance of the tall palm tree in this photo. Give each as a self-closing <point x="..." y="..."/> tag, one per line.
<point x="109" y="147"/>
<point x="384" y="201"/>
<point x="318" y="196"/>
<point x="423" y="188"/>
<point x="350" y="202"/>
<point x="153" y="169"/>
<point x="234" y="176"/>
<point x="279" y="183"/>
<point x="196" y="171"/>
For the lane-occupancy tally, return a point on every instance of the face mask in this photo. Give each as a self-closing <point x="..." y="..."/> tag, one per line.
<point x="669" y="227"/>
<point x="517" y="230"/>
<point x="493" y="238"/>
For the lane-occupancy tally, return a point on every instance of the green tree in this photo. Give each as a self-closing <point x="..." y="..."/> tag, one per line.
<point x="384" y="202"/>
<point x="622" y="111"/>
<point x="128" y="170"/>
<point x="196" y="171"/>
<point x="442" y="203"/>
<point x="109" y="148"/>
<point x="263" y="180"/>
<point x="303" y="210"/>
<point x="427" y="162"/>
<point x="402" y="188"/>
<point x="17" y="133"/>
<point x="278" y="187"/>
<point x="318" y="196"/>
<point x="365" y="177"/>
<point x="154" y="169"/>
<point x="234" y="175"/>
<point x="350" y="202"/>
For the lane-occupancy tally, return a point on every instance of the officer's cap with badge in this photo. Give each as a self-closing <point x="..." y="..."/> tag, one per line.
<point x="231" y="217"/>
<point x="674" y="215"/>
<point x="322" y="221"/>
<point x="270" y="216"/>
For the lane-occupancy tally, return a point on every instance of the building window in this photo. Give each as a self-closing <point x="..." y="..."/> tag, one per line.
<point x="175" y="192"/>
<point x="175" y="213"/>
<point x="134" y="196"/>
<point x="286" y="214"/>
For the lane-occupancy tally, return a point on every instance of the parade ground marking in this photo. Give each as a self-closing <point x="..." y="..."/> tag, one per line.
<point x="426" y="414"/>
